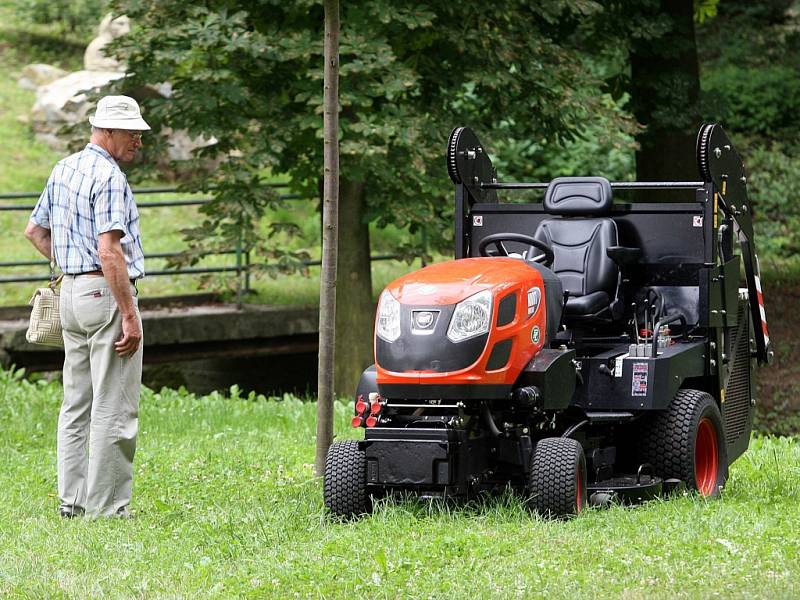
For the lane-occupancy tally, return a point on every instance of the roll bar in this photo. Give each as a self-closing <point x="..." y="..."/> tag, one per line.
<point x="721" y="167"/>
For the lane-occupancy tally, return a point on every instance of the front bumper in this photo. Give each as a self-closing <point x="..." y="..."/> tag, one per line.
<point x="423" y="458"/>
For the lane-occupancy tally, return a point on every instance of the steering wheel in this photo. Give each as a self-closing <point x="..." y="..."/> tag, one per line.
<point x="545" y="258"/>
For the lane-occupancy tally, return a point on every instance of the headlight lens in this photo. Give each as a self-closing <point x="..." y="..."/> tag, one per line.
<point x="387" y="326"/>
<point x="471" y="317"/>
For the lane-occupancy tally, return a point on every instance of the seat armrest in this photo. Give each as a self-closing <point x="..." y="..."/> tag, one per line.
<point x="622" y="255"/>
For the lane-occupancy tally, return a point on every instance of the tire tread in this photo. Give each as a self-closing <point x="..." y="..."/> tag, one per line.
<point x="553" y="476"/>
<point x="345" y="488"/>
<point x="667" y="440"/>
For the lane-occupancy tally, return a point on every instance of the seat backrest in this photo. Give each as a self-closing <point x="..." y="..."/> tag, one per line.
<point x="579" y="233"/>
<point x="579" y="246"/>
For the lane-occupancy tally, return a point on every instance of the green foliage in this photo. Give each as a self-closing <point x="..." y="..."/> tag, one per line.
<point x="761" y="100"/>
<point x="23" y="42"/>
<point x="764" y="11"/>
<point x="74" y="16"/>
<point x="704" y="10"/>
<point x="773" y="174"/>
<point x="226" y="506"/>
<point x="600" y="149"/>
<point x="751" y="57"/>
<point x="250" y="74"/>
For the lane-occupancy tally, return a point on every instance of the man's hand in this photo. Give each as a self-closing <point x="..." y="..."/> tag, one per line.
<point x="131" y="337"/>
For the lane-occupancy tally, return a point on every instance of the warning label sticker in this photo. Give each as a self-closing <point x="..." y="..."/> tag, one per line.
<point x="639" y="380"/>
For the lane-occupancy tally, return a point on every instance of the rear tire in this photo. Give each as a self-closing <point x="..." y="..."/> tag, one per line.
<point x="558" y="477"/>
<point x="346" y="480"/>
<point x="687" y="442"/>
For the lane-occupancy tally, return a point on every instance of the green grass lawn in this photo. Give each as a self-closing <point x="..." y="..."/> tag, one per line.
<point x="227" y="506"/>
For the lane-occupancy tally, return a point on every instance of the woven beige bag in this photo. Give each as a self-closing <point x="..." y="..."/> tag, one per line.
<point x="45" y="324"/>
<point x="44" y="327"/>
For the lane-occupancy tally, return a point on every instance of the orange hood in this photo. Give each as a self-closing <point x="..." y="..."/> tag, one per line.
<point x="453" y="281"/>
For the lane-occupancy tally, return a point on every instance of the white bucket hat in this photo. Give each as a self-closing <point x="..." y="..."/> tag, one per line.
<point x="118" y="112"/>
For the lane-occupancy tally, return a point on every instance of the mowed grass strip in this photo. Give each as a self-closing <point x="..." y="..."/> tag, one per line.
<point x="227" y="506"/>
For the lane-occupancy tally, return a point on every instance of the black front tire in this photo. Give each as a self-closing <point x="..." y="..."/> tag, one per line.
<point x="687" y="442"/>
<point x="345" y="488"/>
<point x="558" y="477"/>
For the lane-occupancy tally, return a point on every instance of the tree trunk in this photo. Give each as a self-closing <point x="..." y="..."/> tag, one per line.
<point x="327" y="287"/>
<point x="355" y="311"/>
<point x="665" y="84"/>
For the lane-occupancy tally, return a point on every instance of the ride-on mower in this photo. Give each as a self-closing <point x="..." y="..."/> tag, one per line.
<point x="577" y="350"/>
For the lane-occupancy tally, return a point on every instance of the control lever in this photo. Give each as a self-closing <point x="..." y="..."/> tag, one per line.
<point x="605" y="370"/>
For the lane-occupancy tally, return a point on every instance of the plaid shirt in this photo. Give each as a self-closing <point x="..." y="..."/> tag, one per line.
<point x="89" y="194"/>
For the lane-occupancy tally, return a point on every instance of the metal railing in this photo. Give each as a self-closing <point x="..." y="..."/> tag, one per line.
<point x="241" y="267"/>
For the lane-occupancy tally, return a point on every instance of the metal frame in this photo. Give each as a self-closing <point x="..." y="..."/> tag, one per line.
<point x="242" y="266"/>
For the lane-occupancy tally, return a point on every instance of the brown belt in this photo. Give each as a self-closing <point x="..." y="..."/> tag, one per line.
<point x="97" y="273"/>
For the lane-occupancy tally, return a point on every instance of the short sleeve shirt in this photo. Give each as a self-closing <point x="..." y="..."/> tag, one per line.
<point x="88" y="194"/>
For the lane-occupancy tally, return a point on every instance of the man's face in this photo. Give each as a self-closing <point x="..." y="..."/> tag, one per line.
<point x="123" y="144"/>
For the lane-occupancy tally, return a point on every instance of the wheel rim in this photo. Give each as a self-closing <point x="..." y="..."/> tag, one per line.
<point x="706" y="457"/>
<point x="579" y="488"/>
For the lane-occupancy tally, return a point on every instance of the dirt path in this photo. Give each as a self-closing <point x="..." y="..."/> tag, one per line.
<point x="778" y="391"/>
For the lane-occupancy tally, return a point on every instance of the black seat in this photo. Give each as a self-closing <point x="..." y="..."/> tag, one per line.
<point x="580" y="236"/>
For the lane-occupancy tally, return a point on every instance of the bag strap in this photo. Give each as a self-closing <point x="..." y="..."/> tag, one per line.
<point x="53" y="281"/>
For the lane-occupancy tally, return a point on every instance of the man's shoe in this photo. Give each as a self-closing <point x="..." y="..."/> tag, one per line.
<point x="123" y="513"/>
<point x="70" y="512"/>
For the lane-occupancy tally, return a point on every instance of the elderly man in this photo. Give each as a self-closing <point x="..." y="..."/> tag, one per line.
<point x="88" y="218"/>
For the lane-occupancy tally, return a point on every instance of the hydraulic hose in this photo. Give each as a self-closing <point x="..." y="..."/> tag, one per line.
<point x="574" y="428"/>
<point x="487" y="416"/>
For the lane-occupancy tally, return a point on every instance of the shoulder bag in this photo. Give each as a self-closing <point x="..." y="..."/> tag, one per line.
<point x="44" y="328"/>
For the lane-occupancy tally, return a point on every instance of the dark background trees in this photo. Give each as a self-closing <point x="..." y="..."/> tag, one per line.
<point x="665" y="87"/>
<point x="750" y="82"/>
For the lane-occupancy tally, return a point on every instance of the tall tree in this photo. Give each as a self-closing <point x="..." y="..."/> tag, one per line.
<point x="248" y="73"/>
<point x="330" y="219"/>
<point x="664" y="88"/>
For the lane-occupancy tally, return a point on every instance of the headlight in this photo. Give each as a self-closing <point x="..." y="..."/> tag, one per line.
<point x="471" y="317"/>
<point x="387" y="326"/>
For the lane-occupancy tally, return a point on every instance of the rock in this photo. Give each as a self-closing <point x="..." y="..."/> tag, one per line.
<point x="38" y="74"/>
<point x="64" y="101"/>
<point x="61" y="98"/>
<point x="94" y="59"/>
<point x="181" y="145"/>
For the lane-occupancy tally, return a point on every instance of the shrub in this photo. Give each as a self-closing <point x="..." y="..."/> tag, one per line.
<point x="773" y="174"/>
<point x="759" y="100"/>
<point x="75" y="16"/>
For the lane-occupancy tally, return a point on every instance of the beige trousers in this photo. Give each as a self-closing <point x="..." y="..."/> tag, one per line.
<point x="99" y="417"/>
